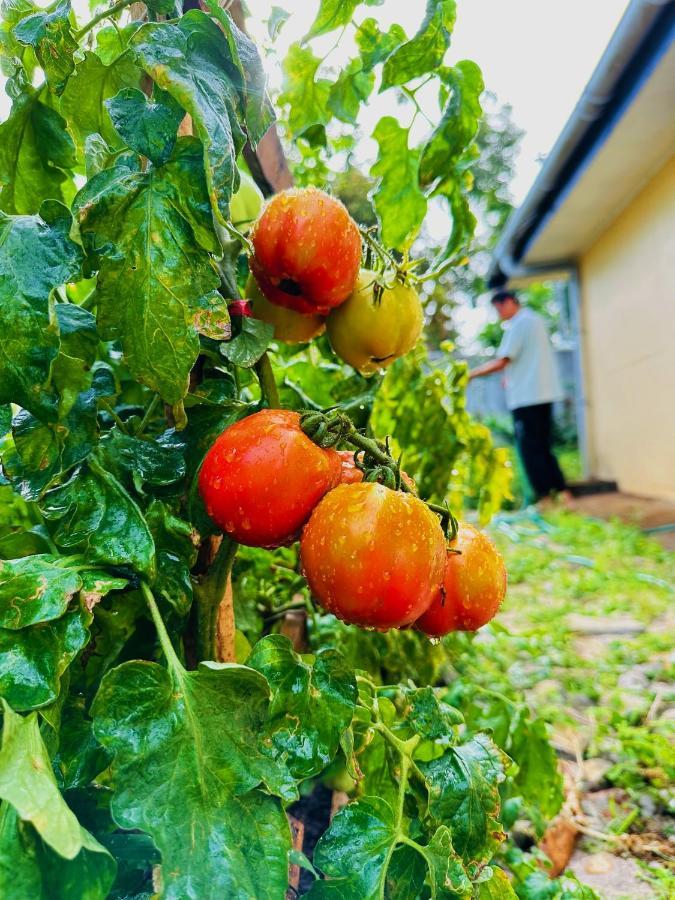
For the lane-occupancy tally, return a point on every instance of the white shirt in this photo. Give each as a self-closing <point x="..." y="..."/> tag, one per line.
<point x="532" y="375"/>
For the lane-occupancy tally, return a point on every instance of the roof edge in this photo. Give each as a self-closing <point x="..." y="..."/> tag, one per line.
<point x="640" y="39"/>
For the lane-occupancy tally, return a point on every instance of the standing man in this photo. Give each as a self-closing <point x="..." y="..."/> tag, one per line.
<point x="532" y="386"/>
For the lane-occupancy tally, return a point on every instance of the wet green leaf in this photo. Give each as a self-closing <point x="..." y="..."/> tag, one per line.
<point x="354" y="852"/>
<point x="463" y="787"/>
<point x="36" y="255"/>
<point x="93" y="514"/>
<point x="80" y="757"/>
<point x="28" y="783"/>
<point x="29" y="868"/>
<point x="148" y="126"/>
<point x="312" y="704"/>
<point x="78" y="343"/>
<point x="36" y="155"/>
<point x="399" y="202"/>
<point x="252" y="83"/>
<point x="332" y="14"/>
<point x="246" y="347"/>
<point x="304" y="94"/>
<point x="192" y="61"/>
<point x="187" y="741"/>
<point x="458" y="125"/>
<point x="497" y="888"/>
<point x="36" y="589"/>
<point x="375" y="45"/>
<point x="50" y="34"/>
<point x="405" y="875"/>
<point x="425" y="51"/>
<point x="33" y="660"/>
<point x="353" y="87"/>
<point x="429" y="716"/>
<point x="92" y="83"/>
<point x="143" y="461"/>
<point x="446" y="872"/>
<point x="139" y="229"/>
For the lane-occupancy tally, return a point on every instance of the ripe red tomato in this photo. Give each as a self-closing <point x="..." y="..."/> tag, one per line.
<point x="263" y="476"/>
<point x="351" y="474"/>
<point x="307" y="251"/>
<point x="373" y="556"/>
<point x="474" y="586"/>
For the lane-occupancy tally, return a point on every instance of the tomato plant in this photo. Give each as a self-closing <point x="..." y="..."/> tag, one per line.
<point x="262" y="477"/>
<point x="373" y="556"/>
<point x="130" y="365"/>
<point x="474" y="586"/>
<point x="376" y="324"/>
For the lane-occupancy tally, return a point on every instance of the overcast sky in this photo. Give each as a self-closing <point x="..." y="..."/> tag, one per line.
<point x="536" y="55"/>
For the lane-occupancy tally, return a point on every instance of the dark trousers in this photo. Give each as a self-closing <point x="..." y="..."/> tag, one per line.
<point x="534" y="427"/>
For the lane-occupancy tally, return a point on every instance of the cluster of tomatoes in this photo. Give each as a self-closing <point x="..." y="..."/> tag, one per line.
<point x="306" y="278"/>
<point x="372" y="556"/>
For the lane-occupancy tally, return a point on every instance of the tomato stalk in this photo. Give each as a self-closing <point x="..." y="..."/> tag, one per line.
<point x="328" y="429"/>
<point x="104" y="14"/>
<point x="268" y="385"/>
<point x="214" y="601"/>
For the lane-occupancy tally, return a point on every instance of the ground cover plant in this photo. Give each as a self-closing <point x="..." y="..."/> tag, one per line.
<point x="158" y="721"/>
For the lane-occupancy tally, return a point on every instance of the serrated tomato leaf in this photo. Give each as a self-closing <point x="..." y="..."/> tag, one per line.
<point x="355" y="850"/>
<point x="36" y="589"/>
<point x="93" y="514"/>
<point x="252" y="340"/>
<point x="148" y="126"/>
<point x="332" y="14"/>
<point x="463" y="787"/>
<point x="352" y="88"/>
<point x="399" y="202"/>
<point x="30" y="868"/>
<point x="312" y="704"/>
<point x="375" y="45"/>
<point x="89" y="87"/>
<point x="36" y="255"/>
<point x="186" y="742"/>
<point x="49" y="33"/>
<point x="33" y="660"/>
<point x="28" y="783"/>
<point x="425" y="51"/>
<point x="304" y="93"/>
<point x="458" y="125"/>
<point x="193" y="62"/>
<point x="154" y="280"/>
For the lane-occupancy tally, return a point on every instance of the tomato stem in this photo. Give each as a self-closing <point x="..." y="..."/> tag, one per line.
<point x="164" y="639"/>
<point x="212" y="590"/>
<point x="268" y="386"/>
<point x="104" y="14"/>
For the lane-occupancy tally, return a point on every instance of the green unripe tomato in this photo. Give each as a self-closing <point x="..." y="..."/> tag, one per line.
<point x="246" y="204"/>
<point x="374" y="327"/>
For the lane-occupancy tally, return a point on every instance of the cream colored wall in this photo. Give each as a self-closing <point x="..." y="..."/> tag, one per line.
<point x="628" y="321"/>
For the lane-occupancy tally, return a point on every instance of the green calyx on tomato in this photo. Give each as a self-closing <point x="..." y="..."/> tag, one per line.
<point x="263" y="476"/>
<point x="289" y="326"/>
<point x="372" y="556"/>
<point x="307" y="251"/>
<point x="376" y="324"/>
<point x="474" y="586"/>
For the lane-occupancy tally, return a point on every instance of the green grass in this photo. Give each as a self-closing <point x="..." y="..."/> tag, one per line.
<point x="605" y="693"/>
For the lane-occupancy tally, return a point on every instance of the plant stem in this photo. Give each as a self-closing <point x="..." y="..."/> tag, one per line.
<point x="114" y="416"/>
<point x="164" y="639"/>
<point x="104" y="14"/>
<point x="268" y="385"/>
<point x="210" y="592"/>
<point x="148" y="413"/>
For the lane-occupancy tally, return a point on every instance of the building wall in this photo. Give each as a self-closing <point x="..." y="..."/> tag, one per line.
<point x="628" y="332"/>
